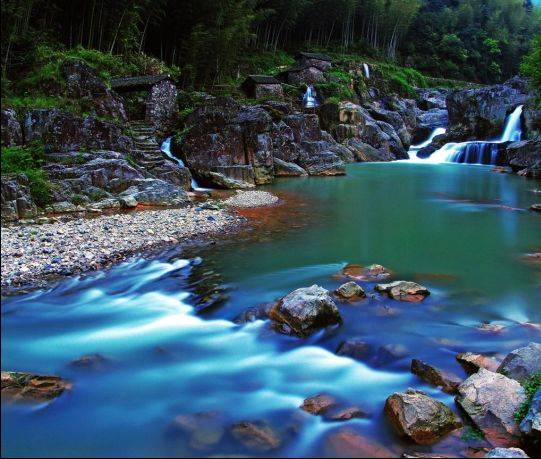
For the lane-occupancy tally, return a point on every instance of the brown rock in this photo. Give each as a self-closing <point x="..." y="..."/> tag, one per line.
<point x="371" y="273"/>
<point x="318" y="404"/>
<point x="204" y="430"/>
<point x="90" y="361"/>
<point x="447" y="381"/>
<point x="404" y="291"/>
<point x="415" y="415"/>
<point x="30" y="387"/>
<point x="345" y="414"/>
<point x="471" y="362"/>
<point x="347" y="443"/>
<point x="256" y="436"/>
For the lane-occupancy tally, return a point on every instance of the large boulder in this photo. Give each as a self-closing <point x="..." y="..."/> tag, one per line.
<point x="404" y="291"/>
<point x="161" y="105"/>
<point x="84" y="83"/>
<point x="522" y="363"/>
<point x="306" y="310"/>
<point x="480" y="112"/>
<point x="18" y="387"/>
<point x="530" y="427"/>
<point x="12" y="133"/>
<point x="447" y="381"/>
<point x="491" y="401"/>
<point x="420" y="418"/>
<point x="17" y="202"/>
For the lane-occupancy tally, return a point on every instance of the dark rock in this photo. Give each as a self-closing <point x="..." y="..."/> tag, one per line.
<point x="252" y="314"/>
<point x="491" y="401"/>
<point x="531" y="114"/>
<point x="11" y="128"/>
<point x="204" y="430"/>
<point x="355" y="348"/>
<point x="285" y="169"/>
<point x="305" y="310"/>
<point x="350" y="291"/>
<point x="404" y="291"/>
<point x="366" y="153"/>
<point x="348" y="443"/>
<point x="17" y="203"/>
<point x="345" y="414"/>
<point x="524" y="157"/>
<point x="535" y="207"/>
<point x="358" y="349"/>
<point x="91" y="362"/>
<point x="428" y="121"/>
<point x="324" y="163"/>
<point x="161" y="105"/>
<point x="256" y="436"/>
<point x="420" y="418"/>
<point x="448" y="382"/>
<point x="530" y="427"/>
<point x="522" y="363"/>
<point x="471" y="362"/>
<point x="506" y="453"/>
<point x="18" y="386"/>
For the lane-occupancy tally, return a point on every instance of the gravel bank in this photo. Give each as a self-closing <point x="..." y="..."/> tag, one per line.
<point x="251" y="199"/>
<point x="33" y="254"/>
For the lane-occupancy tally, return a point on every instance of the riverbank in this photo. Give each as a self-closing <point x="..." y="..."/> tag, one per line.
<point x="33" y="255"/>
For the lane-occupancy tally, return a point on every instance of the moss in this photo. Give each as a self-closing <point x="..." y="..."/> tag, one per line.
<point x="471" y="433"/>
<point x="531" y="386"/>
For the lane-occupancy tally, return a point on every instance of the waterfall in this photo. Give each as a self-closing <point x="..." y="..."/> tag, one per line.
<point x="309" y="99"/>
<point x="366" y="71"/>
<point x="166" y="149"/>
<point x="477" y="152"/>
<point x="414" y="149"/>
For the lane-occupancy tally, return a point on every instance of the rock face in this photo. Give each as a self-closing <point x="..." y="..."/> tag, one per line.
<point x="30" y="387"/>
<point x="491" y="400"/>
<point x="522" y="363"/>
<point x="16" y="200"/>
<point x="471" y="362"/>
<point x="12" y="133"/>
<point x="530" y="427"/>
<point x="83" y="83"/>
<point x="305" y="310"/>
<point x="161" y="106"/>
<point x="404" y="291"/>
<point x="415" y="415"/>
<point x="506" y="453"/>
<point x="448" y="382"/>
<point x="480" y="113"/>
<point x="524" y="157"/>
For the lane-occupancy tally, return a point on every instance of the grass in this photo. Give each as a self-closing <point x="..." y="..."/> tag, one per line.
<point x="531" y="386"/>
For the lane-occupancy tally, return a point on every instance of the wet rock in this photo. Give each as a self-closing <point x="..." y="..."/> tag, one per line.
<point x="252" y="314"/>
<point x="530" y="427"/>
<point x="522" y="363"/>
<point x="318" y="404"/>
<point x="448" y="382"/>
<point x="471" y="362"/>
<point x="29" y="387"/>
<point x="404" y="291"/>
<point x="491" y="400"/>
<point x="345" y="414"/>
<point x="358" y="349"/>
<point x="91" y="362"/>
<point x="285" y="169"/>
<point x="204" y="430"/>
<point x="368" y="273"/>
<point x="490" y="327"/>
<point x="256" y="436"/>
<point x="415" y="415"/>
<point x="355" y="348"/>
<point x="506" y="452"/>
<point x="350" y="291"/>
<point x="11" y="128"/>
<point x="348" y="443"/>
<point x="305" y="310"/>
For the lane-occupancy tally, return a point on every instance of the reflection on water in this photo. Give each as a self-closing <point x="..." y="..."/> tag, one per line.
<point x="449" y="227"/>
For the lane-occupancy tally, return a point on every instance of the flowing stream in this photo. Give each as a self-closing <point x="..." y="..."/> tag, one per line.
<point x="166" y="149"/>
<point x="309" y="100"/>
<point x="459" y="231"/>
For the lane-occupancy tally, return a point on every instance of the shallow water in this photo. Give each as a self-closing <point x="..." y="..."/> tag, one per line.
<point x="459" y="230"/>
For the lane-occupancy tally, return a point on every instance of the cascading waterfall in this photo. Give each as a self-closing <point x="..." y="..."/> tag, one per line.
<point x="414" y="149"/>
<point x="166" y="149"/>
<point x="479" y="152"/>
<point x="309" y="100"/>
<point x="366" y="71"/>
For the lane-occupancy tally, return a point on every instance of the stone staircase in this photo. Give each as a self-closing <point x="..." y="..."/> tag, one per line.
<point x="148" y="155"/>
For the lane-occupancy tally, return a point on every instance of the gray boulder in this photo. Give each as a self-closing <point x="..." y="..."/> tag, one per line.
<point x="522" y="363"/>
<point x="506" y="453"/>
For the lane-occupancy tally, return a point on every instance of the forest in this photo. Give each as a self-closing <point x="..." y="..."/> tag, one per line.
<point x="213" y="41"/>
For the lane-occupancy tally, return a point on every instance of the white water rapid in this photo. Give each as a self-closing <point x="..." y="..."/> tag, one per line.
<point x="475" y="152"/>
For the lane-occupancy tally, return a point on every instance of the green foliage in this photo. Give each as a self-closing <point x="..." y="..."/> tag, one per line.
<point x="531" y="386"/>
<point x="79" y="199"/>
<point x="402" y="80"/>
<point x="531" y="64"/>
<point x="266" y="62"/>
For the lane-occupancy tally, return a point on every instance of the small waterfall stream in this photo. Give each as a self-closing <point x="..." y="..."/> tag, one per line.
<point x="166" y="149"/>
<point x="309" y="100"/>
<point x="476" y="152"/>
<point x="414" y="149"/>
<point x="366" y="71"/>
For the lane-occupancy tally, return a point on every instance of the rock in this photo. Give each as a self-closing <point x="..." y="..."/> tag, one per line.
<point x="253" y="314"/>
<point x="428" y="121"/>
<point x="90" y="361"/>
<point x="404" y="291"/>
<point x="524" y="157"/>
<point x="350" y="291"/>
<point x="522" y="363"/>
<point x="84" y="83"/>
<point x="305" y="310"/>
<point x="348" y="443"/>
<point x="368" y="273"/>
<point x="224" y="180"/>
<point x="536" y="207"/>
<point x="355" y="348"/>
<point x="204" y="430"/>
<point x="256" y="436"/>
<point x="17" y="203"/>
<point x="531" y="114"/>
<point x="318" y="404"/>
<point x="161" y="105"/>
<point x="448" y="382"/>
<point x="471" y="362"/>
<point x="358" y="349"/>
<point x="325" y="163"/>
<point x="491" y="400"/>
<point x="128" y="201"/>
<point x="365" y="153"/>
<point x="530" y="427"/>
<point x="11" y="128"/>
<point x="303" y="74"/>
<point x="420" y="418"/>
<point x="285" y="169"/>
<point x="18" y="386"/>
<point x="345" y="414"/>
<point x="506" y="452"/>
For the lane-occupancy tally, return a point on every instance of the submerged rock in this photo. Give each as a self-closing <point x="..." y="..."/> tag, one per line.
<point x="491" y="401"/>
<point x="415" y="415"/>
<point x="350" y="291"/>
<point x="471" y="362"/>
<point x="305" y="310"/>
<point x="204" y="430"/>
<point x="448" y="382"/>
<point x="256" y="436"/>
<point x="506" y="452"/>
<point x="358" y="349"/>
<point x="91" y="362"/>
<point x="348" y="443"/>
<point x="404" y="291"/>
<point x="318" y="404"/>
<point x="18" y="386"/>
<point x="522" y="363"/>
